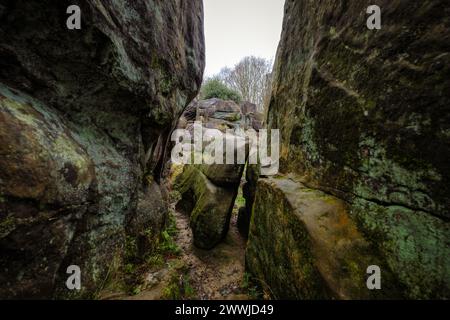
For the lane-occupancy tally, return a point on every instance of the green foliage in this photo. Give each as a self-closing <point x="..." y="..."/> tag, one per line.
<point x="6" y="226"/>
<point x="136" y="291"/>
<point x="179" y="286"/>
<point x="129" y="268"/>
<point x="131" y="248"/>
<point x="172" y="225"/>
<point x="240" y="200"/>
<point x="214" y="88"/>
<point x="168" y="245"/>
<point x="251" y="287"/>
<point x="155" y="261"/>
<point x="158" y="250"/>
<point x="174" y="196"/>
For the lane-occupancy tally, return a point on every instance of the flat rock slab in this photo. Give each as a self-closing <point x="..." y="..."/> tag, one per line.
<point x="307" y="238"/>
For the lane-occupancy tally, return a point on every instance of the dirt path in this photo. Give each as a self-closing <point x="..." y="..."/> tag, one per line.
<point x="217" y="273"/>
<point x="213" y="274"/>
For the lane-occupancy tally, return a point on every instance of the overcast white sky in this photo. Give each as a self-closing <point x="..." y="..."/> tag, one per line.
<point x="238" y="28"/>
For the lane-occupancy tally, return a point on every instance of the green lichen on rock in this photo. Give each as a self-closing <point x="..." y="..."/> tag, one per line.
<point x="6" y="226"/>
<point x="79" y="136"/>
<point x="206" y="190"/>
<point x="208" y="205"/>
<point x="364" y="116"/>
<point x="415" y="244"/>
<point x="307" y="239"/>
<point x="179" y="286"/>
<point x="278" y="251"/>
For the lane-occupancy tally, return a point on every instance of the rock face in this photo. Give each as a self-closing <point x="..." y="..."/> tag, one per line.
<point x="364" y="116"/>
<point x="315" y="250"/>
<point x="84" y="119"/>
<point x="208" y="191"/>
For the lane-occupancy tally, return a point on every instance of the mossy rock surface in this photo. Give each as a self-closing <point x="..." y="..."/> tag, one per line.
<point x="303" y="244"/>
<point x="209" y="206"/>
<point x="365" y="113"/>
<point x="84" y="120"/>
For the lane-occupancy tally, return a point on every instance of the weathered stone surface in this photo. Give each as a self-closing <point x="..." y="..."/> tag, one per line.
<point x="84" y="119"/>
<point x="46" y="185"/>
<point x="227" y="175"/>
<point x="364" y="115"/>
<point x="365" y="112"/>
<point x="217" y="109"/>
<point x="248" y="107"/>
<point x="255" y="121"/>
<point x="305" y="245"/>
<point x="253" y="118"/>
<point x="208" y="205"/>
<point x="222" y="180"/>
<point x="149" y="219"/>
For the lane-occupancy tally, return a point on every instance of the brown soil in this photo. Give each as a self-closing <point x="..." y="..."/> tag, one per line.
<point x="215" y="274"/>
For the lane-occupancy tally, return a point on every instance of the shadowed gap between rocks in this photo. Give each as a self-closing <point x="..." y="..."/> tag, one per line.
<point x="210" y="194"/>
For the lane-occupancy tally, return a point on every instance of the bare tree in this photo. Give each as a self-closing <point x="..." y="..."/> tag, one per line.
<point x="251" y="77"/>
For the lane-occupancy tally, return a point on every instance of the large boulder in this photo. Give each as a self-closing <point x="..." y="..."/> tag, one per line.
<point x="208" y="191"/>
<point x="364" y="116"/>
<point x="216" y="111"/>
<point x="227" y="174"/>
<point x="208" y="206"/>
<point x="84" y="119"/>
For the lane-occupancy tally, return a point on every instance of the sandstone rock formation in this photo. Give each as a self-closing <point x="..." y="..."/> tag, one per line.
<point x="249" y="193"/>
<point x="315" y="250"/>
<point x="253" y="118"/>
<point x="209" y="206"/>
<point x="208" y="191"/>
<point x="84" y="119"/>
<point x="364" y="117"/>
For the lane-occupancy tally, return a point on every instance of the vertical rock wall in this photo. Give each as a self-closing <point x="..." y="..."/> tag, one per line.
<point x="364" y="117"/>
<point x="208" y="191"/>
<point x="84" y="119"/>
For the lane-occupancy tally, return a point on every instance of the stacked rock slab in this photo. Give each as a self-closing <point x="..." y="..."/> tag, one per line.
<point x="364" y="118"/>
<point x="253" y="119"/>
<point x="84" y="119"/>
<point x="208" y="191"/>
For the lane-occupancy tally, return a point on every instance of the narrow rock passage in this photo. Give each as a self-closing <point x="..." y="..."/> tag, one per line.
<point x="216" y="273"/>
<point x="213" y="274"/>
